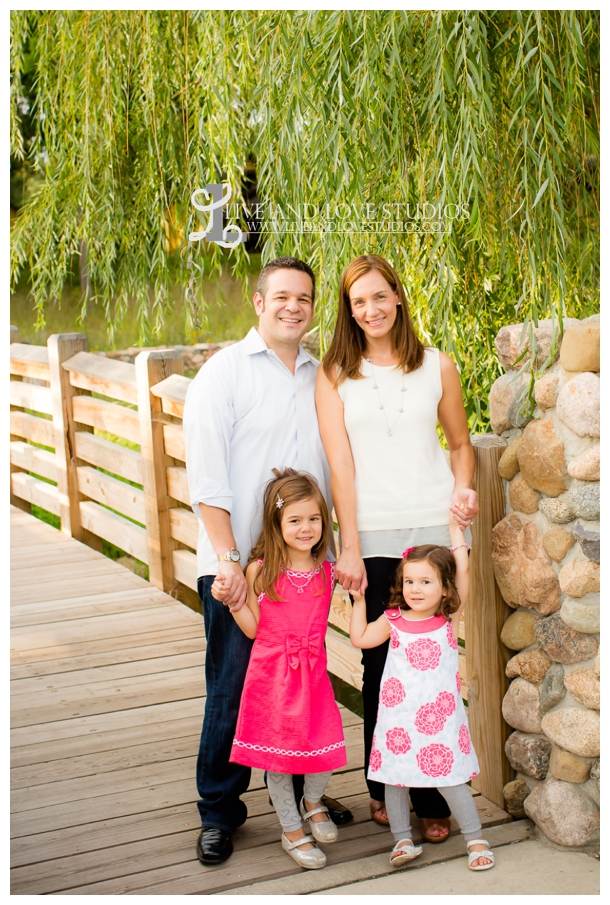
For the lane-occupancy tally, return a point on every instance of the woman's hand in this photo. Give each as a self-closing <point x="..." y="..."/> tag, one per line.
<point x="465" y="506"/>
<point x="350" y="571"/>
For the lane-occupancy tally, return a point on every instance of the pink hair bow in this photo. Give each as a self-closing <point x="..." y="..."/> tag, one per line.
<point x="407" y="551"/>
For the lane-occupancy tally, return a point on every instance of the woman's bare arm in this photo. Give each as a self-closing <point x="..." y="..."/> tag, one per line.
<point x="452" y="416"/>
<point x="350" y="568"/>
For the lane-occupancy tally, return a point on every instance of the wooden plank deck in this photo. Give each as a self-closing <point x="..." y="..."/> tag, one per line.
<point x="107" y="697"/>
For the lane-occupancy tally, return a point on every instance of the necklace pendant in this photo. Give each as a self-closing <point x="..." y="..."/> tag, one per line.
<point x="389" y="433"/>
<point x="299" y="590"/>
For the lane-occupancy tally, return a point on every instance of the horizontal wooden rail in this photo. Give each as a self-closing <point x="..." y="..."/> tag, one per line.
<point x="33" y="491"/>
<point x="107" y="416"/>
<point x="112" y="492"/>
<point x="36" y="430"/>
<point x="119" y="460"/>
<point x="31" y="458"/>
<point x="29" y="361"/>
<point x="116" y="530"/>
<point x="104" y="376"/>
<point x="31" y="396"/>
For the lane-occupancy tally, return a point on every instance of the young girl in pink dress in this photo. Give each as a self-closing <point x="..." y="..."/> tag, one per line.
<point x="421" y="735"/>
<point x="288" y="720"/>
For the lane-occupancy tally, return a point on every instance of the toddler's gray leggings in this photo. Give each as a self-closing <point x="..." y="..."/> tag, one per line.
<point x="458" y="798"/>
<point x="281" y="792"/>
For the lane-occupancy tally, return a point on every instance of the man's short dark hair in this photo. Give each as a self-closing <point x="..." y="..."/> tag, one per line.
<point x="286" y="263"/>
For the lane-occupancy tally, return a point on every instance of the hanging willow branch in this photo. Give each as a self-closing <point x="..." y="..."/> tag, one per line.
<point x="490" y="113"/>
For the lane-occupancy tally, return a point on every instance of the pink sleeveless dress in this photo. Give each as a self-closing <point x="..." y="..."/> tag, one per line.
<point x="421" y="735"/>
<point x="288" y="720"/>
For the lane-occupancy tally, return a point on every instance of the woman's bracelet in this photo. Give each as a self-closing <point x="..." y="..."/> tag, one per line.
<point x="453" y="549"/>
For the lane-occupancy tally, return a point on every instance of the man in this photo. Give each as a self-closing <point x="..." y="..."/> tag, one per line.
<point x="250" y="409"/>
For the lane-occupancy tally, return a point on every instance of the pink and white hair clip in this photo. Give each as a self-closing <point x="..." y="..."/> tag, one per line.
<point x="279" y="502"/>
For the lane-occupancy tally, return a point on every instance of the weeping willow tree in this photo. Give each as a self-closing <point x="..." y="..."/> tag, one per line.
<point x="461" y="145"/>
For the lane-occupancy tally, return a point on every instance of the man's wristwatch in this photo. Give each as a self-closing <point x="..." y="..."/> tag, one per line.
<point x="230" y="556"/>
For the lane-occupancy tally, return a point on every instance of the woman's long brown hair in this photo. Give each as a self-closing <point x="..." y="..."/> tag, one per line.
<point x="441" y="559"/>
<point x="290" y="486"/>
<point x="348" y="346"/>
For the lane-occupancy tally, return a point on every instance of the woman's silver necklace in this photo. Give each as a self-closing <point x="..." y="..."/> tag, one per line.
<point x="381" y="405"/>
<point x="301" y="587"/>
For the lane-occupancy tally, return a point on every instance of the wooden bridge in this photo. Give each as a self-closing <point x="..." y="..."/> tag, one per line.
<point x="108" y="682"/>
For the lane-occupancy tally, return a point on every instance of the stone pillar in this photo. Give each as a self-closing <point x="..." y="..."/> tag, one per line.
<point x="546" y="560"/>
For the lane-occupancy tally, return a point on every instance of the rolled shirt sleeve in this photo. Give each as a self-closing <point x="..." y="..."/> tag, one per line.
<point x="208" y="426"/>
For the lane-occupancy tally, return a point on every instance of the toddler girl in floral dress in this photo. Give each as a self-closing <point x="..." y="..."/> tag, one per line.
<point x="421" y="736"/>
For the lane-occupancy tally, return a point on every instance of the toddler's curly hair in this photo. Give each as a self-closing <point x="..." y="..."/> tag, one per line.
<point x="442" y="560"/>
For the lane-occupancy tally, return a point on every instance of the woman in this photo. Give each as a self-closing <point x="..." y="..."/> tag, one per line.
<point x="379" y="396"/>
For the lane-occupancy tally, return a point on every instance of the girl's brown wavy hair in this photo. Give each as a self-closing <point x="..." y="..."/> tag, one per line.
<point x="348" y="345"/>
<point x="441" y="558"/>
<point x="290" y="486"/>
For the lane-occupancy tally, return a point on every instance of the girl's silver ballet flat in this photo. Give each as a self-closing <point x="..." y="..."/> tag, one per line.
<point x="323" y="831"/>
<point x="313" y="859"/>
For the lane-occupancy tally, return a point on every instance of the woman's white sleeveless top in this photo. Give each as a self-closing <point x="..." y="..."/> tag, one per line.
<point x="403" y="479"/>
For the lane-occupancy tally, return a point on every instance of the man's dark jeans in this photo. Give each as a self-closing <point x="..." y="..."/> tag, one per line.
<point x="219" y="782"/>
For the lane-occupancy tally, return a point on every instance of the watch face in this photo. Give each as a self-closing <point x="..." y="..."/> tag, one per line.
<point x="234" y="555"/>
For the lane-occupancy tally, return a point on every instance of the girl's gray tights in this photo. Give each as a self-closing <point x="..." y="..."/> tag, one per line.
<point x="281" y="792"/>
<point x="458" y="798"/>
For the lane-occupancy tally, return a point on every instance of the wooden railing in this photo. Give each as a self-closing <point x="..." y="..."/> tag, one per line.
<point x="108" y="435"/>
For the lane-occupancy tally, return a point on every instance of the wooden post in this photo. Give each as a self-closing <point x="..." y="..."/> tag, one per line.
<point x="152" y="367"/>
<point x="486" y="613"/>
<point x="61" y="347"/>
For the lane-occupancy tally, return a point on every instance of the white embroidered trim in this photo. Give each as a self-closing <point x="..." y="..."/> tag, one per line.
<point x="269" y="750"/>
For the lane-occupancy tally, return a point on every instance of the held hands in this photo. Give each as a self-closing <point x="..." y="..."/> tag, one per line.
<point x="453" y="521"/>
<point x="350" y="572"/>
<point x="230" y="585"/>
<point x="464" y="507"/>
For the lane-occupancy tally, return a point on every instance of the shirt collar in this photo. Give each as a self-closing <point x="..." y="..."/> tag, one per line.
<point x="254" y="343"/>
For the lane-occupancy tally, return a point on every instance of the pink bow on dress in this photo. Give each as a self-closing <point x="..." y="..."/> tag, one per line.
<point x="311" y="648"/>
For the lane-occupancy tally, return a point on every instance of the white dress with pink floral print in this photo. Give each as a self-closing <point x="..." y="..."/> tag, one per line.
<point x="421" y="736"/>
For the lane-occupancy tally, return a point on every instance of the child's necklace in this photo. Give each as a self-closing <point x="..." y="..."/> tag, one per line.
<point x="381" y="405"/>
<point x="301" y="587"/>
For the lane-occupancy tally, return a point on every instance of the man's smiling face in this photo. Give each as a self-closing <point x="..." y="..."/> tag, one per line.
<point x="286" y="312"/>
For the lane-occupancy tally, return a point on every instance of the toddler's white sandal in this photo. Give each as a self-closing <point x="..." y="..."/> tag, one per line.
<point x="472" y="856"/>
<point x="408" y="850"/>
<point x="325" y="830"/>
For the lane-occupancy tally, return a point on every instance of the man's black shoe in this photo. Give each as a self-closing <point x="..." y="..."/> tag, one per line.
<point x="337" y="812"/>
<point x="213" y="845"/>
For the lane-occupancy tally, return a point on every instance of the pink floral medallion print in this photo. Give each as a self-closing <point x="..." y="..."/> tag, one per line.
<point x="445" y="703"/>
<point x="394" y="639"/>
<point x="451" y="638"/>
<point x="472" y="775"/>
<point x="435" y="760"/>
<point x="375" y="760"/>
<point x="464" y="739"/>
<point x="424" y="654"/>
<point x="429" y="719"/>
<point x="397" y="741"/>
<point x="392" y="692"/>
<point x="458" y="683"/>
